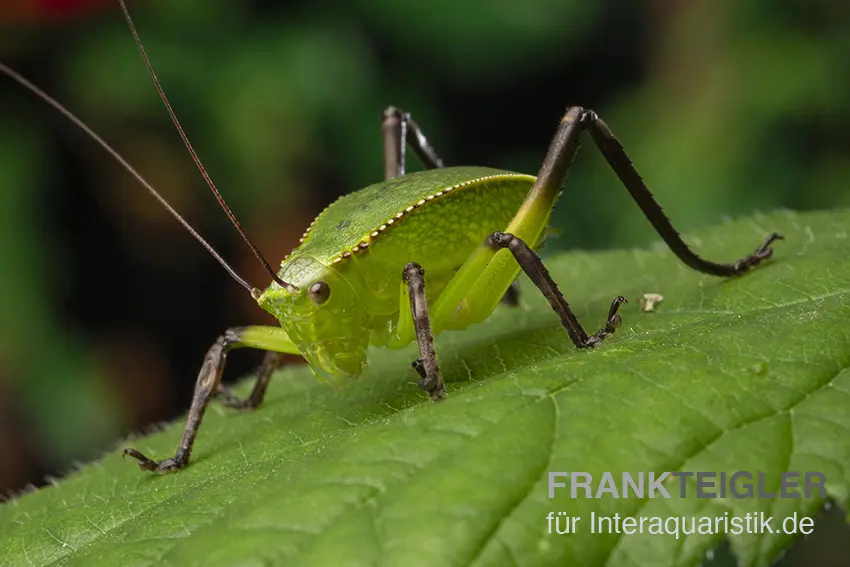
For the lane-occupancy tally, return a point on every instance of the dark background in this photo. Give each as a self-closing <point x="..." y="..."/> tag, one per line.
<point x="107" y="306"/>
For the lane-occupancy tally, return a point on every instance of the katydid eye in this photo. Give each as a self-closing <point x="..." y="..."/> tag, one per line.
<point x="319" y="292"/>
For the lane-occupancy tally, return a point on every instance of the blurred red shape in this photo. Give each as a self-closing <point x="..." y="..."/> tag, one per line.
<point x="48" y="11"/>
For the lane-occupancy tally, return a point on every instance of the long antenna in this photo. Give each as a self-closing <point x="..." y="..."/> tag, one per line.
<point x="195" y="157"/>
<point x="79" y="123"/>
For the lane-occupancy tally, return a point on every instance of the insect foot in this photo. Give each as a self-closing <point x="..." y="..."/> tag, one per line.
<point x="229" y="400"/>
<point x="763" y="252"/>
<point x="146" y="464"/>
<point x="436" y="393"/>
<point x="611" y="324"/>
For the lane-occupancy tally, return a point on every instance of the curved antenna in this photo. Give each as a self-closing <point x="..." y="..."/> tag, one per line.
<point x="80" y="124"/>
<point x="195" y="157"/>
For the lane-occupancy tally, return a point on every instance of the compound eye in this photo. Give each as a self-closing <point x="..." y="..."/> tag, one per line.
<point x="319" y="292"/>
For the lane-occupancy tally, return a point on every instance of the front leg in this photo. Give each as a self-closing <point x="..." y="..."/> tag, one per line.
<point x="272" y="339"/>
<point x="271" y="362"/>
<point x="426" y="365"/>
<point x="207" y="383"/>
<point x="533" y="266"/>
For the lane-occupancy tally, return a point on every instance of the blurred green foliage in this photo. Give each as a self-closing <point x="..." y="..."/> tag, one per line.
<point x="724" y="106"/>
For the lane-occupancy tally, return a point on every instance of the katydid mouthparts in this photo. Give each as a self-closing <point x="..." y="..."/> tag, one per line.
<point x="406" y="258"/>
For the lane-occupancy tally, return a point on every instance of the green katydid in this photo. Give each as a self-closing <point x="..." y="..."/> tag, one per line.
<point x="358" y="277"/>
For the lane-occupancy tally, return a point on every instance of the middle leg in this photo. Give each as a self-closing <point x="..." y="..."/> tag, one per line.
<point x="533" y="267"/>
<point x="426" y="365"/>
<point x="399" y="129"/>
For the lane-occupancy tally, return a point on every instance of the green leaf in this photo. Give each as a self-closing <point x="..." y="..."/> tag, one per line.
<point x="749" y="374"/>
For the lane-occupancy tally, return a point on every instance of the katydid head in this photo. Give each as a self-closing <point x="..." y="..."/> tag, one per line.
<point x="322" y="315"/>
